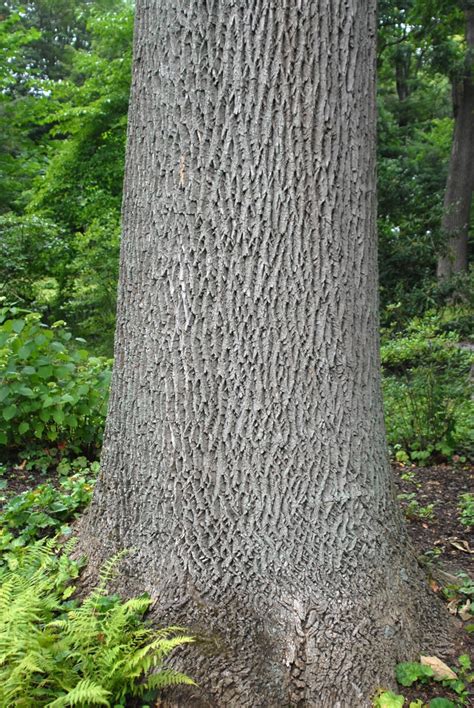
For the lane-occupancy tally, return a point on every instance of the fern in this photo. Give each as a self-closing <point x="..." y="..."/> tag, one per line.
<point x="83" y="693"/>
<point x="60" y="653"/>
<point x="167" y="678"/>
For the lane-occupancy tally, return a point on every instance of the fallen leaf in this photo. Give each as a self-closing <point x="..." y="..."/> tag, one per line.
<point x="460" y="545"/>
<point x="465" y="611"/>
<point x="440" y="670"/>
<point x="453" y="607"/>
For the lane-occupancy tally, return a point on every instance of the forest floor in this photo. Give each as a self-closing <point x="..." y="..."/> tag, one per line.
<point x="441" y="486"/>
<point x="443" y="545"/>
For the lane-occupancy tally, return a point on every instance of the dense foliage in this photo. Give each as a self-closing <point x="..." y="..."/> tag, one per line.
<point x="426" y="392"/>
<point x="66" y="75"/>
<point x="51" y="388"/>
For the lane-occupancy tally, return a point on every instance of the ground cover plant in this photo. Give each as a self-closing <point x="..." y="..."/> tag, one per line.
<point x="429" y="671"/>
<point x="47" y="508"/>
<point x="427" y="391"/>
<point x="56" y="651"/>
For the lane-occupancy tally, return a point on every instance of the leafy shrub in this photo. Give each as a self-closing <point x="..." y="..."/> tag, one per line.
<point x="426" y="392"/>
<point x="50" y="388"/>
<point x="59" y="653"/>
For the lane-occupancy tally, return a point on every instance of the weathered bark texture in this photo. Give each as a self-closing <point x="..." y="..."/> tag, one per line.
<point x="244" y="457"/>
<point x="460" y="182"/>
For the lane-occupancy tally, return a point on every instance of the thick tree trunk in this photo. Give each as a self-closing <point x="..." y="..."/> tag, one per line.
<point x="244" y="457"/>
<point x="460" y="182"/>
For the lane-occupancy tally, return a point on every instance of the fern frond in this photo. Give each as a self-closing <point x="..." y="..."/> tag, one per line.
<point x="166" y="678"/>
<point x="161" y="648"/>
<point x="95" y="653"/>
<point x="84" y="692"/>
<point x="107" y="573"/>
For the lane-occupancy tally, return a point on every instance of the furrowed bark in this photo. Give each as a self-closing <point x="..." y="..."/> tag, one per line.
<point x="244" y="457"/>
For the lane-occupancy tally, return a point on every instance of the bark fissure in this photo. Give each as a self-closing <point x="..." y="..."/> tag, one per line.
<point x="244" y="457"/>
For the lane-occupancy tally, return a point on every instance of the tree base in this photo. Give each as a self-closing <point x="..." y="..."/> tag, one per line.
<point x="327" y="644"/>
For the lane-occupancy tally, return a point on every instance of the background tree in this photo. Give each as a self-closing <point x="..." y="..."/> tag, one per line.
<point x="424" y="62"/>
<point x="245" y="459"/>
<point x="460" y="182"/>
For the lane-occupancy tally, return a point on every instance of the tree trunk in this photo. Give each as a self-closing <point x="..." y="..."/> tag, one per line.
<point x="402" y="61"/>
<point x="244" y="457"/>
<point x="460" y="182"/>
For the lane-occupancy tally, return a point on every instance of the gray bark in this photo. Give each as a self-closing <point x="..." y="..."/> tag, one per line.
<point x="460" y="182"/>
<point x="244" y="457"/>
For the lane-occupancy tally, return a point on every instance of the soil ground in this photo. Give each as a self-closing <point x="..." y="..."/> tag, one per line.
<point x="443" y="545"/>
<point x="441" y="486"/>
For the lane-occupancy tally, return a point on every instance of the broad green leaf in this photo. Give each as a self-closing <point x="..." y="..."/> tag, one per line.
<point x="408" y="673"/>
<point x="389" y="700"/>
<point x="71" y="420"/>
<point x="25" y="351"/>
<point x="57" y="346"/>
<point x="18" y="325"/>
<point x="39" y="429"/>
<point x="58" y="416"/>
<point x="10" y="411"/>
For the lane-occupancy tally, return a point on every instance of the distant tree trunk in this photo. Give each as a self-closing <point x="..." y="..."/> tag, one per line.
<point x="402" y="61"/>
<point x="460" y="182"/>
<point x="244" y="457"/>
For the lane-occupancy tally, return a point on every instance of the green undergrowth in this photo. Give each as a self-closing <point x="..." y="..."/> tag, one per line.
<point x="47" y="509"/>
<point x="466" y="509"/>
<point x="426" y="385"/>
<point x="56" y="651"/>
<point x="457" y="682"/>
